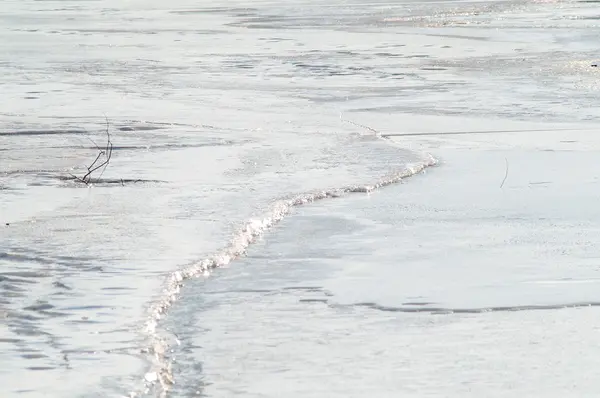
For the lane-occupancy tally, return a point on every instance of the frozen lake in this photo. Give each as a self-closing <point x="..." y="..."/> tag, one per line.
<point x="303" y="199"/>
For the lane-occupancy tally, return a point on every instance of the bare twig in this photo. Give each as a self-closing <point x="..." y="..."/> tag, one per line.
<point x="109" y="150"/>
<point x="101" y="161"/>
<point x="505" y="173"/>
<point x="77" y="178"/>
<point x="93" y="142"/>
<point x="94" y="163"/>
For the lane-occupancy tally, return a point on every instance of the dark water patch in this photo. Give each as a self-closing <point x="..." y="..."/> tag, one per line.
<point x="464" y="37"/>
<point x="347" y="53"/>
<point x="61" y="294"/>
<point x="54" y="314"/>
<point x="150" y="32"/>
<point x="82" y="353"/>
<point x="320" y="69"/>
<point x="61" y="285"/>
<point x="388" y="45"/>
<point x="304" y="288"/>
<point x="34" y="356"/>
<point x="113" y="30"/>
<point x="9" y="340"/>
<point x="540" y="183"/>
<point x="239" y="65"/>
<point x="25" y="322"/>
<point x="274" y="39"/>
<point x="118" y="288"/>
<point x="259" y="26"/>
<point x="296" y="22"/>
<point x="23" y="258"/>
<point x="389" y="55"/>
<point x="405" y="91"/>
<point x="38" y="307"/>
<point x="139" y="128"/>
<point x="42" y="132"/>
<point x="71" y="259"/>
<point x="246" y="291"/>
<point x="361" y="68"/>
<point x="315" y="300"/>
<point x="12" y="290"/>
<point x="242" y="291"/>
<point x="149" y="147"/>
<point x="83" y="320"/>
<point x="23" y="274"/>
<point x="40" y="368"/>
<point x="243" y="11"/>
<point x="86" y="308"/>
<point x="32" y="256"/>
<point x="94" y="268"/>
<point x="168" y="124"/>
<point x="43" y="308"/>
<point x="107" y="181"/>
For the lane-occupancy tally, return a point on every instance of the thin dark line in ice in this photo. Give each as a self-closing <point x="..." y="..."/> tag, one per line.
<point x="450" y="310"/>
<point x="439" y="133"/>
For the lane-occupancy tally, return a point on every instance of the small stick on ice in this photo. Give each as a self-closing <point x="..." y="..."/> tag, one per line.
<point x="102" y="159"/>
<point x="505" y="173"/>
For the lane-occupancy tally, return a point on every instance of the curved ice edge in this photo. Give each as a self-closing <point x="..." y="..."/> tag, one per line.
<point x="160" y="375"/>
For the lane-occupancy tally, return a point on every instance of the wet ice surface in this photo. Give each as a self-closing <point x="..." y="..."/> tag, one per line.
<point x="215" y="112"/>
<point x="414" y="289"/>
<point x="273" y="326"/>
